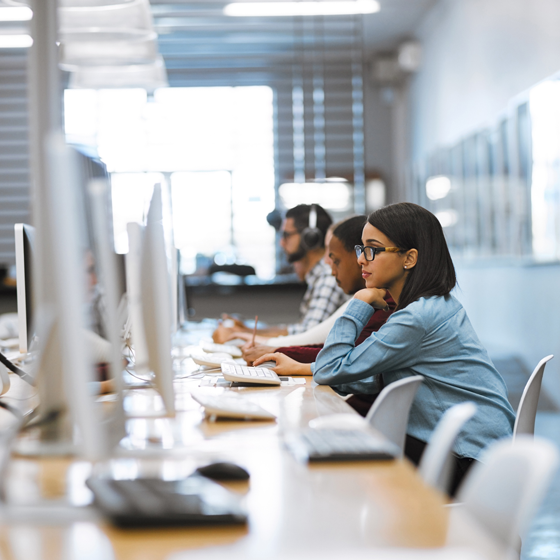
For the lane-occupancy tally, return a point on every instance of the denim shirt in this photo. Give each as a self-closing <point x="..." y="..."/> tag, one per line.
<point x="431" y="337"/>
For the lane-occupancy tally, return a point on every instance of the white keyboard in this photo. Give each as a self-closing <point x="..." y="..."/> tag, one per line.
<point x="246" y="374"/>
<point x="210" y="347"/>
<point x="232" y="406"/>
<point x="211" y="360"/>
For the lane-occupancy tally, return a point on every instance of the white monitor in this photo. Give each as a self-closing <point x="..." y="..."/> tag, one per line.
<point x="67" y="272"/>
<point x="24" y="236"/>
<point x="70" y="421"/>
<point x="157" y="302"/>
<point x="134" y="294"/>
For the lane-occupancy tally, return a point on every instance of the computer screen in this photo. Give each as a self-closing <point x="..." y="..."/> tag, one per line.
<point x="68" y="264"/>
<point x="157" y="302"/>
<point x="24" y="235"/>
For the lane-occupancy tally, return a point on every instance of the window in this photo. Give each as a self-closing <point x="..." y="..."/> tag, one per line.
<point x="212" y="148"/>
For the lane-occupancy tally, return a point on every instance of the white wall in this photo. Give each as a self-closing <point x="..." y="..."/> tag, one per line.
<point x="477" y="56"/>
<point x="515" y="311"/>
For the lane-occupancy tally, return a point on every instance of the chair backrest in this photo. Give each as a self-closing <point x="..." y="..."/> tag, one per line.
<point x="527" y="409"/>
<point x="437" y="459"/>
<point x="504" y="490"/>
<point x="389" y="412"/>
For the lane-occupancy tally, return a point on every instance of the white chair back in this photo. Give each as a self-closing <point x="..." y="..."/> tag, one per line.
<point x="504" y="490"/>
<point x="527" y="409"/>
<point x="437" y="461"/>
<point x="389" y="413"/>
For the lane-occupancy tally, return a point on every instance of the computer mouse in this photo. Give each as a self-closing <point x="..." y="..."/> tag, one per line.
<point x="341" y="421"/>
<point x="223" y="471"/>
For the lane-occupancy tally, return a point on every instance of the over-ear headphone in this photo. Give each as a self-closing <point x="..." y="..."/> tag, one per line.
<point x="312" y="237"/>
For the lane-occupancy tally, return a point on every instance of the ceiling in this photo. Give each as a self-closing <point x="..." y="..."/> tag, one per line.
<point x="199" y="43"/>
<point x="382" y="31"/>
<point x="195" y="38"/>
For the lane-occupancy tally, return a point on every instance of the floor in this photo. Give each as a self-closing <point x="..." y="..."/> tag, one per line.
<point x="543" y="538"/>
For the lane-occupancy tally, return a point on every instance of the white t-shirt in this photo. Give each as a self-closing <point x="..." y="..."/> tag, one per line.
<point x="315" y="335"/>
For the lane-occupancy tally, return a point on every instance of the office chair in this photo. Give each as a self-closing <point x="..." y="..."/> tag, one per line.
<point x="502" y="493"/>
<point x="389" y="413"/>
<point x="436" y="464"/>
<point x="527" y="409"/>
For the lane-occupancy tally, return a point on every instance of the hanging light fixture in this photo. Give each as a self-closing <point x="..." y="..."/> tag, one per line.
<point x="301" y="8"/>
<point x="117" y="22"/>
<point x="97" y="52"/>
<point x="146" y="76"/>
<point x="15" y="13"/>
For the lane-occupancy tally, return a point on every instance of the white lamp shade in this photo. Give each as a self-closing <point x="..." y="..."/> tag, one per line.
<point x="146" y="76"/>
<point x="116" y="22"/>
<point x="99" y="52"/>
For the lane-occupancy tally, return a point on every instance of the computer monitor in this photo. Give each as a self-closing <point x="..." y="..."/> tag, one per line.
<point x="25" y="238"/>
<point x="62" y="337"/>
<point x="65" y="368"/>
<point x="156" y="302"/>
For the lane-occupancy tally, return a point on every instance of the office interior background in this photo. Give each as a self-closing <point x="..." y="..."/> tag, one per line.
<point x="450" y="104"/>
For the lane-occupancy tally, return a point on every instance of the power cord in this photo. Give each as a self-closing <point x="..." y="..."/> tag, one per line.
<point x="18" y="371"/>
<point x="11" y="409"/>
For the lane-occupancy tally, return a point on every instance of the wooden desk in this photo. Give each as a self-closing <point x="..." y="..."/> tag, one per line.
<point x="293" y="508"/>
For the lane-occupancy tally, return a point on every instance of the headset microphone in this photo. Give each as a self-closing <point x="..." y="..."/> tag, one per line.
<point x="312" y="236"/>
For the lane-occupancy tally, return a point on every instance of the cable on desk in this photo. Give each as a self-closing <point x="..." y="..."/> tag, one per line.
<point x="11" y="409"/>
<point x="13" y="368"/>
<point x="132" y="360"/>
<point x="35" y="421"/>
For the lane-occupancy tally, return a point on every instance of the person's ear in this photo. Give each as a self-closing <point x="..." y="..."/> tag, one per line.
<point x="410" y="259"/>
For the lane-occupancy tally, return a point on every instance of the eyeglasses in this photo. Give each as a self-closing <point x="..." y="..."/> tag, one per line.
<point x="288" y="234"/>
<point x="370" y="252"/>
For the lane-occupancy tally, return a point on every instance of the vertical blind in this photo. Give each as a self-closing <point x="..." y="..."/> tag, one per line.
<point x="313" y="64"/>
<point x="14" y="151"/>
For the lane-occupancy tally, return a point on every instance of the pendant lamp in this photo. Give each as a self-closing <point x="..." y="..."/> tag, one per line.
<point x="97" y="51"/>
<point x="146" y="76"/>
<point x="118" y="22"/>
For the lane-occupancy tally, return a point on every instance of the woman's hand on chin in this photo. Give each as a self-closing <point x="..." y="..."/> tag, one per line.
<point x="284" y="364"/>
<point x="373" y="296"/>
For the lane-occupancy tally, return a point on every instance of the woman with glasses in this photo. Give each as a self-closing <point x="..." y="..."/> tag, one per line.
<point x="404" y="253"/>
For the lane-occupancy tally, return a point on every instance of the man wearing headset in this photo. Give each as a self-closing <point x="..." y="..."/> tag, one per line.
<point x="303" y="240"/>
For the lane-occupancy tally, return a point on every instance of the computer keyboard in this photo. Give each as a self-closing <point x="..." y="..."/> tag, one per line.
<point x="230" y="349"/>
<point x="246" y="374"/>
<point x="151" y="502"/>
<point x="339" y="445"/>
<point x="232" y="406"/>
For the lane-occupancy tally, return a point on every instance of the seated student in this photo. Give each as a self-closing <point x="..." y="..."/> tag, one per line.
<point x="322" y="296"/>
<point x="429" y="334"/>
<point x="348" y="274"/>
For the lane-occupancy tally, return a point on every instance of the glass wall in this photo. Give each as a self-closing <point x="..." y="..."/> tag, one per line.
<point x="212" y="148"/>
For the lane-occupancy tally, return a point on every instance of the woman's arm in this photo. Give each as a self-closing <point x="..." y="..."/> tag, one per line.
<point x="285" y="365"/>
<point x="315" y="335"/>
<point x="394" y="346"/>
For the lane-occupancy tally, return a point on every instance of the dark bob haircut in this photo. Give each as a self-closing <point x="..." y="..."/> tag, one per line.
<point x="410" y="226"/>
<point x="349" y="232"/>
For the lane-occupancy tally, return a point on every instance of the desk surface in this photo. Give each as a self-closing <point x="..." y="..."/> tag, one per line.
<point x="292" y="506"/>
